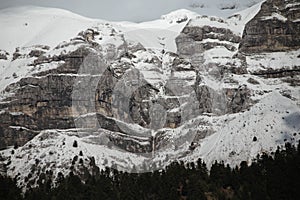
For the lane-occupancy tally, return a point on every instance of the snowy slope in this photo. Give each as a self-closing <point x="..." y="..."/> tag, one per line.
<point x="270" y="123"/>
<point x="53" y="150"/>
<point x="27" y="26"/>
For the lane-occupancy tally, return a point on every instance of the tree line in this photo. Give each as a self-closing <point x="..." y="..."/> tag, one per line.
<point x="275" y="176"/>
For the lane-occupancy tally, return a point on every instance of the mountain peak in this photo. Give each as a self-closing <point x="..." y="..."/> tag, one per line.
<point x="179" y="16"/>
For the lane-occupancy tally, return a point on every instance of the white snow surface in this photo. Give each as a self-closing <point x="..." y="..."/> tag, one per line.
<point x="29" y="25"/>
<point x="273" y="121"/>
<point x="277" y="16"/>
<point x="274" y="60"/>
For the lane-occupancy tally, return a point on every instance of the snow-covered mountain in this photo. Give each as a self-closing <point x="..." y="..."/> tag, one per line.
<point x="78" y="93"/>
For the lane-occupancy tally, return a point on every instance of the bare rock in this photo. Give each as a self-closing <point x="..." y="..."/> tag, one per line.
<point x="276" y="27"/>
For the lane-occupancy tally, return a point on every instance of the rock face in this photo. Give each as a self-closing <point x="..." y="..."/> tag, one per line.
<point x="275" y="28"/>
<point x="197" y="37"/>
<point x="278" y="73"/>
<point x="47" y="99"/>
<point x="268" y="36"/>
<point x="39" y="103"/>
<point x="189" y="42"/>
<point x="195" y="43"/>
<point x="3" y="55"/>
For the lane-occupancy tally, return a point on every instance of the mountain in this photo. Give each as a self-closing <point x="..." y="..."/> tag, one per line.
<point x="79" y="93"/>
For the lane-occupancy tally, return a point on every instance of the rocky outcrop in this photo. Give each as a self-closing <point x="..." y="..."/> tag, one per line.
<point x="12" y="130"/>
<point x="192" y="44"/>
<point x="132" y="143"/>
<point x="275" y="28"/>
<point x="43" y="105"/>
<point x="238" y="99"/>
<point x="31" y="51"/>
<point x="204" y="97"/>
<point x="278" y="73"/>
<point x="40" y="102"/>
<point x="227" y="100"/>
<point x="3" y="55"/>
<point x="195" y="39"/>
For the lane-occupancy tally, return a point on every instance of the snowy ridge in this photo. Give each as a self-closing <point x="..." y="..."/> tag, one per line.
<point x="220" y="7"/>
<point x="179" y="16"/>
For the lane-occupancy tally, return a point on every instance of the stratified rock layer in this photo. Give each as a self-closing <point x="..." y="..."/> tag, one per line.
<point x="275" y="28"/>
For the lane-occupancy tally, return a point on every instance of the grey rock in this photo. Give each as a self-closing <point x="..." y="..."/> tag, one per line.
<point x="266" y="34"/>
